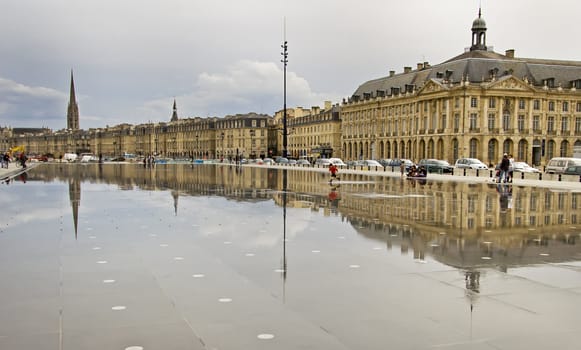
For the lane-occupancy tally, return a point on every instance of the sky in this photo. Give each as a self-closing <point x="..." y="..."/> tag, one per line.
<point x="132" y="58"/>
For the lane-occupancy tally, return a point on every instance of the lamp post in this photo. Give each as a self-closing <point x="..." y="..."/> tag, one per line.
<point x="222" y="137"/>
<point x="252" y="143"/>
<point x="284" y="130"/>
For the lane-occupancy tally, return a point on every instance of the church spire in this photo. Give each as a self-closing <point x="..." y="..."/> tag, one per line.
<point x="73" y="109"/>
<point x="174" y="116"/>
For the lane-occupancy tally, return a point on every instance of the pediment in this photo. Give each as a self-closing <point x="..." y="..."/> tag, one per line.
<point x="432" y="86"/>
<point x="509" y="83"/>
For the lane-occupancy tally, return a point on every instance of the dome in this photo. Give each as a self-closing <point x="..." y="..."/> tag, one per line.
<point x="478" y="23"/>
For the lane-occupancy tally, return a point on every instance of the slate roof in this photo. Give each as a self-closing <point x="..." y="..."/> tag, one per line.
<point x="477" y="66"/>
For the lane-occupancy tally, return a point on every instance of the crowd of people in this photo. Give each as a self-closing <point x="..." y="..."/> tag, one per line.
<point x="6" y="158"/>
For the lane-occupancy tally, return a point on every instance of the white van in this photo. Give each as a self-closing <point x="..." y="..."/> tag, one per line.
<point x="70" y="157"/>
<point x="558" y="165"/>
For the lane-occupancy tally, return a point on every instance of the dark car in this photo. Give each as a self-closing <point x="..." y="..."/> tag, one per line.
<point x="437" y="166"/>
<point x="573" y="170"/>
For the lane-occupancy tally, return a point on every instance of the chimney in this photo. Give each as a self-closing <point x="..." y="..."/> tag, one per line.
<point x="426" y="65"/>
<point x="391" y="73"/>
<point x="509" y="53"/>
<point x="420" y="66"/>
<point x="407" y="69"/>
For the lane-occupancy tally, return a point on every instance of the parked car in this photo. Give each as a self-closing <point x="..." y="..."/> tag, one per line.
<point x="524" y="168"/>
<point x="436" y="166"/>
<point x="323" y="162"/>
<point x="303" y="162"/>
<point x="268" y="161"/>
<point x="292" y="161"/>
<point x="384" y="162"/>
<point x="560" y="164"/>
<point x="396" y="163"/>
<point x="337" y="161"/>
<point x="470" y="163"/>
<point x="372" y="163"/>
<point x="573" y="170"/>
<point x="281" y="160"/>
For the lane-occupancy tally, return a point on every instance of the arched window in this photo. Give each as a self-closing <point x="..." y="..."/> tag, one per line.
<point x="564" y="149"/>
<point x="454" y="149"/>
<point x="492" y="151"/>
<point x="473" y="148"/>
<point x="522" y="151"/>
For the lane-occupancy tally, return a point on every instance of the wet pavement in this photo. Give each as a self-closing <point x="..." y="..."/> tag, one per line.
<point x="219" y="257"/>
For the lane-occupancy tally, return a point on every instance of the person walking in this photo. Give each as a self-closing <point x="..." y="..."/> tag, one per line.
<point x="504" y="167"/>
<point x="333" y="170"/>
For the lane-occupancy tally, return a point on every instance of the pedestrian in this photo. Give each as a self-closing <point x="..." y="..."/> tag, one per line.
<point x="23" y="158"/>
<point x="402" y="168"/>
<point x="6" y="160"/>
<point x="510" y="168"/>
<point x="333" y="170"/>
<point x="504" y="167"/>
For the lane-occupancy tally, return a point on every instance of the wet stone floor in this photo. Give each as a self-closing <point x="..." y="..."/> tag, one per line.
<point x="209" y="257"/>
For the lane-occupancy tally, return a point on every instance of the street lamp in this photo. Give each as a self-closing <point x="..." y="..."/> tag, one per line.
<point x="222" y="156"/>
<point x="284" y="135"/>
<point x="252" y="143"/>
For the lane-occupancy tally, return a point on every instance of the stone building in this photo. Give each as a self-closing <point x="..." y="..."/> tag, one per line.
<point x="312" y="133"/>
<point x="478" y="104"/>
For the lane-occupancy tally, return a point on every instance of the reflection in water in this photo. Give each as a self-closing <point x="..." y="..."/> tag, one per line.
<point x="468" y="226"/>
<point x="284" y="202"/>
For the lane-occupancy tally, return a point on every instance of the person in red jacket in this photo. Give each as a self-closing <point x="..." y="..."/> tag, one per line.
<point x="333" y="170"/>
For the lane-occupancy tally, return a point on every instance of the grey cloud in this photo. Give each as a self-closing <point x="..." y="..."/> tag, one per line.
<point x="31" y="106"/>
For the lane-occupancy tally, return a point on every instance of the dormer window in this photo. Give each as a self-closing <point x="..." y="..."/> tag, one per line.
<point x="549" y="82"/>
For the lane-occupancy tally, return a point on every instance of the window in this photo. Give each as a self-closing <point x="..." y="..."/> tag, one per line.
<point x="565" y="106"/>
<point x="552" y="106"/>
<point x="565" y="124"/>
<point x="473" y="102"/>
<point x="550" y="149"/>
<point x="578" y="107"/>
<point x="492" y="103"/>
<point x="443" y="122"/>
<point x="492" y="150"/>
<point x="521" y="103"/>
<point x="473" y="120"/>
<point x="536" y="122"/>
<point x="491" y="120"/>
<point x="457" y="102"/>
<point x="456" y="121"/>
<point x="521" y="123"/>
<point x="551" y="124"/>
<point x="506" y="121"/>
<point x="536" y="105"/>
<point x="577" y="124"/>
<point x="473" y="148"/>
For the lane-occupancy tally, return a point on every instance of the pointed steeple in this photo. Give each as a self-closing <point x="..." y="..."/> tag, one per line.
<point x="174" y="116"/>
<point x="73" y="109"/>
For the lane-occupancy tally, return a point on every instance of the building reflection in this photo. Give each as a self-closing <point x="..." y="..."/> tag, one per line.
<point x="467" y="226"/>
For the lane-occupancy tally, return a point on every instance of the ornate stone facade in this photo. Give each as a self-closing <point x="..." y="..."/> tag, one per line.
<point x="479" y="104"/>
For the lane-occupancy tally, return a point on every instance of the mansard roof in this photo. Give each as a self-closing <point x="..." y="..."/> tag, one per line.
<point x="477" y="67"/>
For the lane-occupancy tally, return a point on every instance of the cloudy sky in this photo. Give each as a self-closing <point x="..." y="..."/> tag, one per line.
<point x="131" y="58"/>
